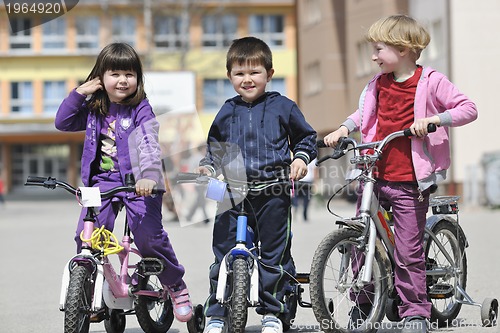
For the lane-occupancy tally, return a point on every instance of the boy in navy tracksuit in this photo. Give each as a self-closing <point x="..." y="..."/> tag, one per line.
<point x="272" y="137"/>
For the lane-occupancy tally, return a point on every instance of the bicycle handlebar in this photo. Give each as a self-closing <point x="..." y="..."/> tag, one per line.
<point x="341" y="148"/>
<point x="52" y="183"/>
<point x="190" y="177"/>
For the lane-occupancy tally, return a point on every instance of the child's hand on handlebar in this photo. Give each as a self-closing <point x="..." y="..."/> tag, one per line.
<point x="144" y="187"/>
<point x="202" y="170"/>
<point x="420" y="126"/>
<point x="332" y="138"/>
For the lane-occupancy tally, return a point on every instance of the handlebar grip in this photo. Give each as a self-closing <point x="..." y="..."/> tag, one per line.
<point x="321" y="144"/>
<point x="430" y="129"/>
<point x="184" y="176"/>
<point x="35" y="179"/>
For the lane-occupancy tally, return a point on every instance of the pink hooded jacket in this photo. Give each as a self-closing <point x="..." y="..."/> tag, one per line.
<point x="435" y="95"/>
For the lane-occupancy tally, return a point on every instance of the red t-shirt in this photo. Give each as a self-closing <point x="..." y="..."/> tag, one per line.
<point x="394" y="113"/>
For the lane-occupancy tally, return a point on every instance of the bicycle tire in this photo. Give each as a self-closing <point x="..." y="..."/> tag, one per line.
<point x="333" y="288"/>
<point x="445" y="310"/>
<point x="155" y="315"/>
<point x="238" y="311"/>
<point x="78" y="301"/>
<point x="116" y="322"/>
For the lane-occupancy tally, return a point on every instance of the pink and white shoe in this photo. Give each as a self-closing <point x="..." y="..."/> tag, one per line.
<point x="183" y="309"/>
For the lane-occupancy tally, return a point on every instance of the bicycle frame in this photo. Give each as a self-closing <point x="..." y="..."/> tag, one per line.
<point x="219" y="191"/>
<point x="110" y="287"/>
<point x="372" y="213"/>
<point x="371" y="235"/>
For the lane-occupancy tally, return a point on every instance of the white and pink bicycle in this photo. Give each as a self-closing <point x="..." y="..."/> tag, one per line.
<point x="93" y="290"/>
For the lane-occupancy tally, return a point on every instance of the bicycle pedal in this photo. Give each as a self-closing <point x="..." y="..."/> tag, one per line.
<point x="441" y="291"/>
<point x="150" y="266"/>
<point x="98" y="316"/>
<point x="302" y="278"/>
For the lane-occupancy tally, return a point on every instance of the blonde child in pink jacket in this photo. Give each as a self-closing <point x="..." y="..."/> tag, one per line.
<point x="406" y="95"/>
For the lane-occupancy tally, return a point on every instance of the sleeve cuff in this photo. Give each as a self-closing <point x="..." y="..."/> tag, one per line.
<point x="303" y="156"/>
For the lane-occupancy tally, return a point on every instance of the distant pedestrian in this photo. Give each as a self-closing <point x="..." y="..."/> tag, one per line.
<point x="200" y="201"/>
<point x="2" y="189"/>
<point x="304" y="190"/>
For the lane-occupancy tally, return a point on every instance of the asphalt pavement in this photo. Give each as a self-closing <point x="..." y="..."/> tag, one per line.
<point x="36" y="240"/>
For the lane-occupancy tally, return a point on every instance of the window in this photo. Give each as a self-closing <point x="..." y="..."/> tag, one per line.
<point x="436" y="46"/>
<point x="365" y="65"/>
<point x="87" y="33"/>
<point x="313" y="79"/>
<point x="53" y="93"/>
<point x="215" y="93"/>
<point x="313" y="11"/>
<point x="269" y="28"/>
<point x="21" y="39"/>
<point x="168" y="32"/>
<point x="124" y="29"/>
<point x="21" y="97"/>
<point x="54" y="34"/>
<point x="219" y="31"/>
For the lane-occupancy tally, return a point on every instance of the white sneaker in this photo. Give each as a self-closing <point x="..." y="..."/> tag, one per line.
<point x="214" y="325"/>
<point x="271" y="324"/>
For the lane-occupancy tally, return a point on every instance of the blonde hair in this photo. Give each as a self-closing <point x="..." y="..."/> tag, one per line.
<point x="400" y="31"/>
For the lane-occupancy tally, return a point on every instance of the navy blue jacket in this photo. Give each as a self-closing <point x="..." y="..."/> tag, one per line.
<point x="256" y="139"/>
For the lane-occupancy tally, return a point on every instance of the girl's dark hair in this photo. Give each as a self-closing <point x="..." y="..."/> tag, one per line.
<point x="116" y="56"/>
<point x="249" y="50"/>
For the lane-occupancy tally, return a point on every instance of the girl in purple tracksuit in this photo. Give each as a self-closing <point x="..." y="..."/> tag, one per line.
<point x="121" y="137"/>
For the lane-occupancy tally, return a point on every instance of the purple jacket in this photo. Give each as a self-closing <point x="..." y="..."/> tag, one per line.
<point x="435" y="95"/>
<point x="138" y="150"/>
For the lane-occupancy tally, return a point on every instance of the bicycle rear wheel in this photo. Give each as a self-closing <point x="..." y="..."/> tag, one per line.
<point x="238" y="313"/>
<point x="336" y="289"/>
<point x="154" y="314"/>
<point x="77" y="309"/>
<point x="445" y="276"/>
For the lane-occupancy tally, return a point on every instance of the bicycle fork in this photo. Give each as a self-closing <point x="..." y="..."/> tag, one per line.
<point x="87" y="259"/>
<point x="375" y="225"/>
<point x="240" y="250"/>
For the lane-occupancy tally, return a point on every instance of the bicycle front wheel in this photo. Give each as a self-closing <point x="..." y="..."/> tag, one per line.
<point x="239" y="304"/>
<point x="154" y="314"/>
<point x="445" y="276"/>
<point x="78" y="301"/>
<point x="336" y="289"/>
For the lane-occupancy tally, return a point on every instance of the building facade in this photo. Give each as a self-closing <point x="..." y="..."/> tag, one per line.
<point x="42" y="63"/>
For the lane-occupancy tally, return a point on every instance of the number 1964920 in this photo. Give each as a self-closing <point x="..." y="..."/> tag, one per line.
<point x="33" y="7"/>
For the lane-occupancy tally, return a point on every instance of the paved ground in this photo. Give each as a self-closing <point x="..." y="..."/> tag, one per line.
<point x="36" y="241"/>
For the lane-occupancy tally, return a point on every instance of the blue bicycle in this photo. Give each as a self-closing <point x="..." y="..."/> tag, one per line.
<point x="238" y="281"/>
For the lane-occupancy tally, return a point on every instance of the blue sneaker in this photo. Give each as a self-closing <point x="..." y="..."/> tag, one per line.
<point x="271" y="324"/>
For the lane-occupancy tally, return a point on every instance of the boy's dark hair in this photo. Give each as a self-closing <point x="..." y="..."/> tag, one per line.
<point x="249" y="50"/>
<point x="116" y="56"/>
